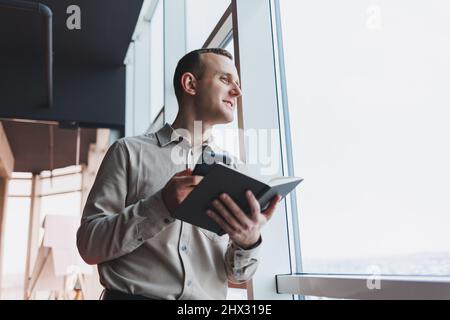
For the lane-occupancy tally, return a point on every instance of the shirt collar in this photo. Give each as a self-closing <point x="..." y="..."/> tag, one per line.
<point x="167" y="135"/>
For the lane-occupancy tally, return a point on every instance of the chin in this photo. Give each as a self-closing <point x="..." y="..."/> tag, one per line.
<point x="227" y="119"/>
<point x="224" y="118"/>
<point x="222" y="121"/>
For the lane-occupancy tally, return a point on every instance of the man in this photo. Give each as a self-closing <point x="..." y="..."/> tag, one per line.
<point x="128" y="227"/>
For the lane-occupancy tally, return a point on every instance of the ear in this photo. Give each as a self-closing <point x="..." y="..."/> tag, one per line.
<point x="189" y="83"/>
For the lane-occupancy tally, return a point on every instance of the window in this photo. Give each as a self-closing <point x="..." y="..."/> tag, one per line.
<point x="138" y="111"/>
<point x="202" y="17"/>
<point x="366" y="85"/>
<point x="213" y="28"/>
<point x="60" y="194"/>
<point x="156" y="62"/>
<point x="16" y="235"/>
<point x="65" y="183"/>
<point x="19" y="187"/>
<point x="145" y="78"/>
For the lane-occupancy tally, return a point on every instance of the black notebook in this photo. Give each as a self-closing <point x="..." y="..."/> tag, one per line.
<point x="220" y="178"/>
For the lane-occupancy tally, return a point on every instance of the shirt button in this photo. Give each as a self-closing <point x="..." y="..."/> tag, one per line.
<point x="183" y="248"/>
<point x="140" y="239"/>
<point x="189" y="283"/>
<point x="167" y="221"/>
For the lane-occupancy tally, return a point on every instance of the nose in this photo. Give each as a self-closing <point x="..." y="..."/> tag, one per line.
<point x="236" y="91"/>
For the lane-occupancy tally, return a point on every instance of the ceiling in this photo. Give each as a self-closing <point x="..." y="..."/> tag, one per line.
<point x="104" y="37"/>
<point x="89" y="72"/>
<point x="30" y="145"/>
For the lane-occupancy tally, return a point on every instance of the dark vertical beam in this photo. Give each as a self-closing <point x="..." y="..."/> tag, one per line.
<point x="47" y="13"/>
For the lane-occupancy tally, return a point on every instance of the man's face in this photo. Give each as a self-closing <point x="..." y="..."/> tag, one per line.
<point x="217" y="90"/>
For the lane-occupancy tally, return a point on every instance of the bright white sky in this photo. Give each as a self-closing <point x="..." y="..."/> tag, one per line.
<point x="368" y="85"/>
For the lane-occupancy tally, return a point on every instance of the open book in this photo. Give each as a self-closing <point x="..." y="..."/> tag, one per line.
<point x="221" y="178"/>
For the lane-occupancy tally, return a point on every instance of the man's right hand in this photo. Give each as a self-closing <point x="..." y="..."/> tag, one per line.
<point x="178" y="188"/>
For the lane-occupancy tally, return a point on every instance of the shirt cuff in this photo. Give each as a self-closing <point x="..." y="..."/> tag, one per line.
<point x="243" y="257"/>
<point x="241" y="264"/>
<point x="250" y="248"/>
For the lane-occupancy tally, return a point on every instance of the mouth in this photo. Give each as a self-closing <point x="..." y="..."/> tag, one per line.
<point x="229" y="104"/>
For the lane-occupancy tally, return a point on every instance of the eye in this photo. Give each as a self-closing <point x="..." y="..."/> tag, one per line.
<point x="225" y="80"/>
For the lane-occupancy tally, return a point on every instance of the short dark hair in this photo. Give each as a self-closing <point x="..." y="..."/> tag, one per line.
<point x="191" y="63"/>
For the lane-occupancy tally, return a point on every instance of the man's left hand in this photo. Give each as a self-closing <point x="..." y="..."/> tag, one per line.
<point x="244" y="230"/>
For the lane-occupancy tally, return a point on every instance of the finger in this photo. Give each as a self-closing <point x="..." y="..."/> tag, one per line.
<point x="226" y="215"/>
<point x="190" y="180"/>
<point x="241" y="217"/>
<point x="268" y="213"/>
<point x="255" y="208"/>
<point x="197" y="179"/>
<point x="186" y="172"/>
<point x="216" y="218"/>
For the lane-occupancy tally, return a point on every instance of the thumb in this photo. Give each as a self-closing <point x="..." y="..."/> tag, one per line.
<point x="187" y="172"/>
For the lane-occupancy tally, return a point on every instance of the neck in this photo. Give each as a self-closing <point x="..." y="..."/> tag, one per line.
<point x="199" y="131"/>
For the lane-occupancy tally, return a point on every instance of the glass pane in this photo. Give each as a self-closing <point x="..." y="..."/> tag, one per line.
<point x="15" y="247"/>
<point x="368" y="96"/>
<point x="141" y="82"/>
<point x="19" y="187"/>
<point x="61" y="184"/>
<point x="202" y="17"/>
<point x="62" y="204"/>
<point x="157" y="62"/>
<point x="227" y="136"/>
<point x="59" y="171"/>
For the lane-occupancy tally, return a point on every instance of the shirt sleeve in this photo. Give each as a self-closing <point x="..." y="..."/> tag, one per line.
<point x="241" y="264"/>
<point x="109" y="229"/>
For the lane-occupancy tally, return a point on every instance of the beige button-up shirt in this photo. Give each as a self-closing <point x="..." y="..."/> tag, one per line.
<point x="139" y="248"/>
